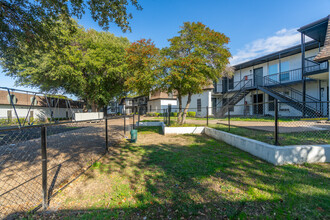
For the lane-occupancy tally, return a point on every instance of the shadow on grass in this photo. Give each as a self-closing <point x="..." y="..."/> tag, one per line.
<point x="207" y="179"/>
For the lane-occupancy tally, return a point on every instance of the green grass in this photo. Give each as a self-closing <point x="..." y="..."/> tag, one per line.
<point x="261" y="119"/>
<point x="197" y="178"/>
<point x="311" y="137"/>
<point x="149" y="129"/>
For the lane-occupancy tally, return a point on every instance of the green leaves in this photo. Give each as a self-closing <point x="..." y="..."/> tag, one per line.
<point x="90" y="65"/>
<point x="143" y="61"/>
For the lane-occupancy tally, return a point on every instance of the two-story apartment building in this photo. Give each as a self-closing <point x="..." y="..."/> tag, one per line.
<point x="298" y="77"/>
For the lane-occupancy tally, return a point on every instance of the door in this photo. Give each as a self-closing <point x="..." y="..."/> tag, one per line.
<point x="214" y="105"/>
<point x="258" y="76"/>
<point x="224" y="85"/>
<point x="258" y="107"/>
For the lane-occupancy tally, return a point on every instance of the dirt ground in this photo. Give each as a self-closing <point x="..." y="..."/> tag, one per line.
<point x="69" y="153"/>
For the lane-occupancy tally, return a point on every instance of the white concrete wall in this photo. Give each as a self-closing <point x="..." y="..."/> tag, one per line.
<point x="276" y="155"/>
<point x="38" y="112"/>
<point x="88" y="116"/>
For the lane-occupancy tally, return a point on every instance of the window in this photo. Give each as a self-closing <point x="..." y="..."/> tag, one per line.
<point x="199" y="105"/>
<point x="285" y="76"/>
<point x="231" y="83"/>
<point x="272" y="70"/>
<point x="150" y="108"/>
<point x="271" y="105"/>
<point x="12" y="98"/>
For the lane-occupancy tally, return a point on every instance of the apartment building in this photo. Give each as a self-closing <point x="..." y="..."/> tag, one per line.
<point x="298" y="77"/>
<point x="158" y="101"/>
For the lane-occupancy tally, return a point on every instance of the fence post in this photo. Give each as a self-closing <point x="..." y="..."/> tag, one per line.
<point x="44" y="167"/>
<point x="106" y="135"/>
<point x="124" y="124"/>
<point x="276" y="122"/>
<point x="169" y="114"/>
<point x="207" y="115"/>
<point x="139" y="112"/>
<point x="133" y="120"/>
<point x="228" y="118"/>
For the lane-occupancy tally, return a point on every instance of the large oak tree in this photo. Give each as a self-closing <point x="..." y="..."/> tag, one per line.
<point x="88" y="64"/>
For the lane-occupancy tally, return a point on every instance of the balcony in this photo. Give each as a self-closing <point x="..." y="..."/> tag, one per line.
<point x="290" y="76"/>
<point x="312" y="67"/>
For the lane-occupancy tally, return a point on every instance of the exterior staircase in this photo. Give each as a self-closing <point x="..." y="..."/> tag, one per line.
<point x="244" y="87"/>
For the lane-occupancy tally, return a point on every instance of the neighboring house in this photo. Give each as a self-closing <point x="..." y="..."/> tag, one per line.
<point x="296" y="75"/>
<point x="40" y="107"/>
<point x="158" y="101"/>
<point x="114" y="107"/>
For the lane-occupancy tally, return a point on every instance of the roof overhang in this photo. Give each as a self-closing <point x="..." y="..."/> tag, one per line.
<point x="316" y="30"/>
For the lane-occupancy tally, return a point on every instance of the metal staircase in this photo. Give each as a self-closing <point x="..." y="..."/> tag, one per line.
<point x="312" y="106"/>
<point x="243" y="88"/>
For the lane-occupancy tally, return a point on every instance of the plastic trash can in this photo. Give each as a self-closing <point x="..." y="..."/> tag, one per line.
<point x="133" y="135"/>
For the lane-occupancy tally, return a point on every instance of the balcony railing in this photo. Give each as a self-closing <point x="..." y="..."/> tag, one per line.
<point x="312" y="66"/>
<point x="284" y="77"/>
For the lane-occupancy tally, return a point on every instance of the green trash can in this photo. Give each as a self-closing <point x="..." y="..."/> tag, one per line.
<point x="133" y="135"/>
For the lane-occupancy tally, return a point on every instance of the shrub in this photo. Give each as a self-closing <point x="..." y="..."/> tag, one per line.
<point x="174" y="114"/>
<point x="191" y="114"/>
<point x="157" y="114"/>
<point x="150" y="114"/>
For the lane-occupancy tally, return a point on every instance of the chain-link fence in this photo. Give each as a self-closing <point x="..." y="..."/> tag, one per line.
<point x="38" y="161"/>
<point x="274" y="122"/>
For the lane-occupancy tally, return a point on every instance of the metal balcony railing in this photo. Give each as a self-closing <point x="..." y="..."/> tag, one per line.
<point x="283" y="77"/>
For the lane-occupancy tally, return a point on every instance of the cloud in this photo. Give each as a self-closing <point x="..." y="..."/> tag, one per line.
<point x="282" y="39"/>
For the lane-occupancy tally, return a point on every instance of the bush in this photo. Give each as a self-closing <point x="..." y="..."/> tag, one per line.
<point x="157" y="114"/>
<point x="174" y="114"/>
<point x="191" y="114"/>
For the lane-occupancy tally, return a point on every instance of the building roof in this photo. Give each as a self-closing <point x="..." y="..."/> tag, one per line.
<point x="316" y="30"/>
<point x="324" y="54"/>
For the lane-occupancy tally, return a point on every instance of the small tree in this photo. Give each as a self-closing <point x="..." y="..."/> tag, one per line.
<point x="194" y="59"/>
<point x="143" y="64"/>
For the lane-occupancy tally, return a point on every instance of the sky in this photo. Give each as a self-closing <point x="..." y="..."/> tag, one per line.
<point x="255" y="27"/>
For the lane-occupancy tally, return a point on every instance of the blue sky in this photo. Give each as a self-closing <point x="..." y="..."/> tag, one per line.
<point x="255" y="27"/>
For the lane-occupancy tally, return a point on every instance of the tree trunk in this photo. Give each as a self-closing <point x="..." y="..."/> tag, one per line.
<point x="186" y="109"/>
<point x="94" y="107"/>
<point x="180" y="109"/>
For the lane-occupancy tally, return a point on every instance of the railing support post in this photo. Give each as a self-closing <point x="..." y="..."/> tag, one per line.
<point x="207" y="115"/>
<point x="106" y="135"/>
<point x="44" y="167"/>
<point x="139" y="113"/>
<point x="276" y="122"/>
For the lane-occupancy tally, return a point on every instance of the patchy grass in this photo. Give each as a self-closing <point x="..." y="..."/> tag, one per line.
<point x="187" y="177"/>
<point x="149" y="129"/>
<point x="310" y="137"/>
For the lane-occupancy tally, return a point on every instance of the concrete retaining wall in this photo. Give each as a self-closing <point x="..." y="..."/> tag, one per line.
<point x="150" y="123"/>
<point x="88" y="116"/>
<point x="183" y="130"/>
<point x="274" y="154"/>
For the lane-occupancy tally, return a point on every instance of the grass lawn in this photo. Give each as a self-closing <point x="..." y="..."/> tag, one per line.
<point x="311" y="137"/>
<point x="192" y="176"/>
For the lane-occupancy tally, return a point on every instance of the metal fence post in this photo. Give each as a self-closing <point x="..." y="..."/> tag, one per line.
<point x="169" y="115"/>
<point x="44" y="167"/>
<point x="207" y="115"/>
<point x="276" y="122"/>
<point x="228" y="118"/>
<point x="133" y="120"/>
<point x="106" y="135"/>
<point x="124" y="125"/>
<point x="139" y="113"/>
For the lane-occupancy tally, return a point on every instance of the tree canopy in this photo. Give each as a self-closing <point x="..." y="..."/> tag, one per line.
<point x="89" y="64"/>
<point x="143" y="62"/>
<point x="194" y="59"/>
<point x="30" y="22"/>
